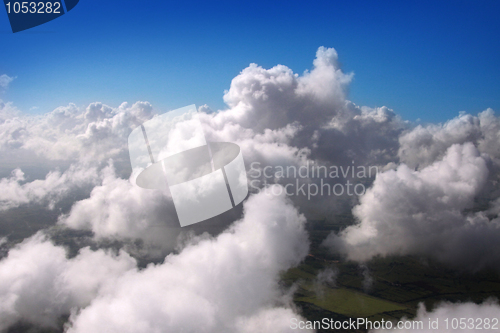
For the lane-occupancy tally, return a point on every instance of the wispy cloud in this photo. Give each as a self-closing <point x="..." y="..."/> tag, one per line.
<point x="5" y="80"/>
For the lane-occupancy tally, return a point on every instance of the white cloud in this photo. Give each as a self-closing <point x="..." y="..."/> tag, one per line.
<point x="5" y="80"/>
<point x="212" y="285"/>
<point x="275" y="116"/>
<point x="279" y="118"/>
<point x="421" y="212"/>
<point x="229" y="283"/>
<point x="423" y="145"/>
<point x="118" y="209"/>
<point x="7" y="111"/>
<point x="14" y="191"/>
<point x="38" y="283"/>
<point x="67" y="133"/>
<point x="270" y="99"/>
<point x="308" y="114"/>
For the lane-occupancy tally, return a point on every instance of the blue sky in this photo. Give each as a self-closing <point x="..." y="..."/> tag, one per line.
<point x="423" y="59"/>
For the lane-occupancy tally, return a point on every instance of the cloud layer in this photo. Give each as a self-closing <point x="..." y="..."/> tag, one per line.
<point x="38" y="283"/>
<point x="437" y="196"/>
<point x="223" y="284"/>
<point x="430" y="210"/>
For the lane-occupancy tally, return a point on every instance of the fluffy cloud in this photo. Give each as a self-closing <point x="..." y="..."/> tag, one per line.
<point x="423" y="145"/>
<point x="478" y="318"/>
<point x="55" y="186"/>
<point x="275" y="116"/>
<point x="421" y="212"/>
<point x="38" y="283"/>
<point x="213" y="285"/>
<point x="278" y="118"/>
<point x="270" y="99"/>
<point x="282" y="119"/>
<point x="67" y="133"/>
<point x="63" y="154"/>
<point x="228" y="283"/>
<point x="304" y="115"/>
<point x="7" y="111"/>
<point x="118" y="209"/>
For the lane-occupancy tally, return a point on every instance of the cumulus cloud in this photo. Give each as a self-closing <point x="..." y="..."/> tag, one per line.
<point x="15" y="191"/>
<point x="270" y="99"/>
<point x="38" y="283"/>
<point x="422" y="202"/>
<point x="423" y="145"/>
<point x="7" y="111"/>
<point x="306" y="115"/>
<point x="93" y="135"/>
<point x="422" y="212"/>
<point x="118" y="209"/>
<point x="476" y="318"/>
<point x="275" y="116"/>
<point x="62" y="154"/>
<point x="213" y="285"/>
<point x="228" y="283"/>
<point x="278" y="118"/>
